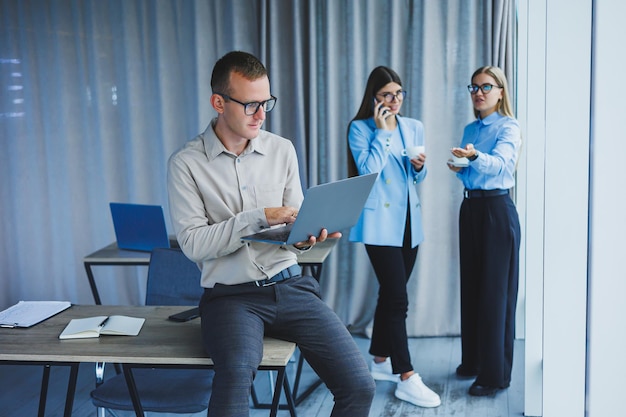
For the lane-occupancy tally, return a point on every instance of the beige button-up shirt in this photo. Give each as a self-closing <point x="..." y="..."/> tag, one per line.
<point x="216" y="197"/>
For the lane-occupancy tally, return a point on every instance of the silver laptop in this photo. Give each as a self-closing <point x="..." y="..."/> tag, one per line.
<point x="334" y="206"/>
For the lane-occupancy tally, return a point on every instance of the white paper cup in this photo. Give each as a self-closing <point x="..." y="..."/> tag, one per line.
<point x="413" y="151"/>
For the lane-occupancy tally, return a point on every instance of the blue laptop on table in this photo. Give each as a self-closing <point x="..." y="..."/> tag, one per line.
<point x="139" y="227"/>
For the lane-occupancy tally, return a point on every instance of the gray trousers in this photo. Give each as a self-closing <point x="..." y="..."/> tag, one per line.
<point x="236" y="317"/>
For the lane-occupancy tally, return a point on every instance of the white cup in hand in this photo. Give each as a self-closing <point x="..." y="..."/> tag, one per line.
<point x="413" y="151"/>
<point x="459" y="162"/>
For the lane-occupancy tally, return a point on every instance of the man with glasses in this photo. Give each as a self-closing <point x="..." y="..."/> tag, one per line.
<point x="233" y="180"/>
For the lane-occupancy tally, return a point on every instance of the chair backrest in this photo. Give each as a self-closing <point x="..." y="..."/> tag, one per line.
<point x="172" y="279"/>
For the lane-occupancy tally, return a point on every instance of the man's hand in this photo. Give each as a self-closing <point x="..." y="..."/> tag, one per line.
<point x="280" y="215"/>
<point x="313" y="240"/>
<point x="287" y="214"/>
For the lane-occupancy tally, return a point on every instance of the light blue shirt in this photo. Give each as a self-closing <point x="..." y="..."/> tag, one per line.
<point x="383" y="219"/>
<point x="497" y="139"/>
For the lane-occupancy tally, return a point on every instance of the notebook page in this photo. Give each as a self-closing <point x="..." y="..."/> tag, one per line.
<point x="29" y="313"/>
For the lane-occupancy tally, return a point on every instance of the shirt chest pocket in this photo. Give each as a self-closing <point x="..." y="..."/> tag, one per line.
<point x="269" y="195"/>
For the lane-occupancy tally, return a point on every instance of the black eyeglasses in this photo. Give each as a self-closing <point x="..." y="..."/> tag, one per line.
<point x="485" y="88"/>
<point x="252" y="107"/>
<point x="388" y="97"/>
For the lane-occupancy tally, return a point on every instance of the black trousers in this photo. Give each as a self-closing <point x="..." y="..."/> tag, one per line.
<point x="393" y="267"/>
<point x="489" y="236"/>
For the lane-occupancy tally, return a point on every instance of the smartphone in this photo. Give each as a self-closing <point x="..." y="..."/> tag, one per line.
<point x="186" y="315"/>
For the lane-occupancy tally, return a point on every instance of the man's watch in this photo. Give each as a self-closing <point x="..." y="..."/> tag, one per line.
<point x="473" y="157"/>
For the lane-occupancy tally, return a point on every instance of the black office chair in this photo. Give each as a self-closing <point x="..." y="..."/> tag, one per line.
<point x="172" y="280"/>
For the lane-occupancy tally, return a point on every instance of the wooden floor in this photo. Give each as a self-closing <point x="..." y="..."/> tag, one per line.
<point x="434" y="358"/>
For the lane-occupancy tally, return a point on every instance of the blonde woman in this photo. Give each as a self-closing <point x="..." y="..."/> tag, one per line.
<point x="489" y="234"/>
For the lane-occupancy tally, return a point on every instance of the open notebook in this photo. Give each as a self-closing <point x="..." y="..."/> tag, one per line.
<point x="98" y="325"/>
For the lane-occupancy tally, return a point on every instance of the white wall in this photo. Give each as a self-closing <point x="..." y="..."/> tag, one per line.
<point x="567" y="119"/>
<point x="557" y="66"/>
<point x="530" y="194"/>
<point x="607" y="275"/>
<point x="571" y="107"/>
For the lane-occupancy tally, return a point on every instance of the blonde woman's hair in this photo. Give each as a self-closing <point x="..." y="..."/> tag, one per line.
<point x="504" y="105"/>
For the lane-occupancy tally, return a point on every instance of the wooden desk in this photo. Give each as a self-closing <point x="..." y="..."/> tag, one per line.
<point x="112" y="255"/>
<point x="161" y="342"/>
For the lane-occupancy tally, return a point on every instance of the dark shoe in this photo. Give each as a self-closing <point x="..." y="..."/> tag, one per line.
<point x="482" y="390"/>
<point x="466" y="371"/>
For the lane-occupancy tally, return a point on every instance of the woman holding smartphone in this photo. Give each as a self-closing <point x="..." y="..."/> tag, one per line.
<point x="390" y="225"/>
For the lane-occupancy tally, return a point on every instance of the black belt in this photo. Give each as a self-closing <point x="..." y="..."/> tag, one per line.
<point x="292" y="272"/>
<point x="483" y="193"/>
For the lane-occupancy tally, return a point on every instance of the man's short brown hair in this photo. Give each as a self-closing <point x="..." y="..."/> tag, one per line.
<point x="236" y="61"/>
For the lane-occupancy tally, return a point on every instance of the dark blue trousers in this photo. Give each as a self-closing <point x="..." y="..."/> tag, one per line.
<point x="235" y="319"/>
<point x="489" y="233"/>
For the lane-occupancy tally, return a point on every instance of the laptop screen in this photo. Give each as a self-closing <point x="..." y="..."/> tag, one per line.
<point x="139" y="227"/>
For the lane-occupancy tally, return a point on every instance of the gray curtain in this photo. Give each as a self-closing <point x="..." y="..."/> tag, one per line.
<point x="97" y="94"/>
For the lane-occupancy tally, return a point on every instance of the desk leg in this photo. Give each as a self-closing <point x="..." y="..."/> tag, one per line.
<point x="315" y="269"/>
<point x="43" y="394"/>
<point x="92" y="284"/>
<point x="290" y="399"/>
<point x="132" y="389"/>
<point x="281" y="381"/>
<point x="276" y="399"/>
<point x="71" y="389"/>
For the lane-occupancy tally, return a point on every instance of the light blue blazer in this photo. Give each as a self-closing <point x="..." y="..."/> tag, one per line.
<point x="384" y="215"/>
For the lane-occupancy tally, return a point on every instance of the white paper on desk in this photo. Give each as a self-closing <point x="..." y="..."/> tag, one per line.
<point x="29" y="313"/>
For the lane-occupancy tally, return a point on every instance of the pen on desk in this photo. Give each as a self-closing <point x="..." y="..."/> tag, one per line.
<point x="104" y="322"/>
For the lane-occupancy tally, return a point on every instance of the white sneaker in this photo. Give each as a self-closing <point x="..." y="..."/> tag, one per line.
<point x="414" y="391"/>
<point x="382" y="371"/>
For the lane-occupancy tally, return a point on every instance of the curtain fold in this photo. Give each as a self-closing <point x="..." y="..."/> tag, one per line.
<point x="96" y="96"/>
